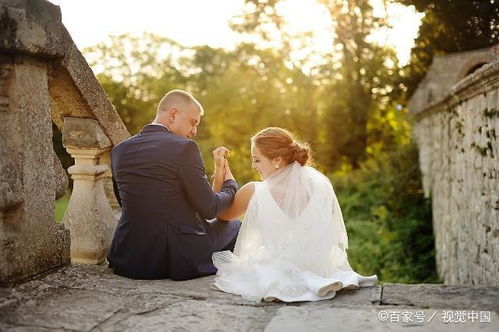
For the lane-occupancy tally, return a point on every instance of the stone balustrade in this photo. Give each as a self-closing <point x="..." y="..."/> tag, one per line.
<point x="44" y="79"/>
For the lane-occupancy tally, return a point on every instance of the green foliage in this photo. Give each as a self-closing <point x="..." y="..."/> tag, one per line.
<point x="388" y="219"/>
<point x="356" y="79"/>
<point x="61" y="206"/>
<point x="449" y="26"/>
<point x="135" y="72"/>
<point x="242" y="91"/>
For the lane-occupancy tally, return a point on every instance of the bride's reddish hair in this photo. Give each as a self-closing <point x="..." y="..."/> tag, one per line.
<point x="278" y="142"/>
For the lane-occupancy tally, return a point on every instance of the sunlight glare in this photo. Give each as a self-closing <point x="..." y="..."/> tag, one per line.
<point x="199" y="22"/>
<point x="404" y="22"/>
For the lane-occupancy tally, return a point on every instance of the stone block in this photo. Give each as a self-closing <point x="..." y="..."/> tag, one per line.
<point x="34" y="27"/>
<point x="378" y="319"/>
<point x="442" y="296"/>
<point x="30" y="240"/>
<point x="84" y="134"/>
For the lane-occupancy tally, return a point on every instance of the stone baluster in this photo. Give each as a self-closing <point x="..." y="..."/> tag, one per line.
<point x="89" y="215"/>
<point x="105" y="159"/>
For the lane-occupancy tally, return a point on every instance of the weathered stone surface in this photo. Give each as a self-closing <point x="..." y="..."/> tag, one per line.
<point x="445" y="71"/>
<point x="25" y="328"/>
<point x="366" y="319"/>
<point x="100" y="278"/>
<point x="442" y="296"/>
<point x="65" y="308"/>
<point x="34" y="27"/>
<point x="89" y="215"/>
<point x="195" y="315"/>
<point x="76" y="76"/>
<point x="105" y="159"/>
<point x="30" y="240"/>
<point x="458" y="152"/>
<point x="43" y="79"/>
<point x="61" y="178"/>
<point x="84" y="133"/>
<point x="90" y="297"/>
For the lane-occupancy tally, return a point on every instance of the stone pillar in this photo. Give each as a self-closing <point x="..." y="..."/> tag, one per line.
<point x="31" y="241"/>
<point x="89" y="215"/>
<point x="108" y="183"/>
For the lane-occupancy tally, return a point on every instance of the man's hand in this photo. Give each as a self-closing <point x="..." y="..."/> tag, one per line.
<point x="219" y="155"/>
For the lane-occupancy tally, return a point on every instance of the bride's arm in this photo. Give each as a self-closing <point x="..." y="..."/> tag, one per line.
<point x="218" y="179"/>
<point x="218" y="175"/>
<point x="240" y="203"/>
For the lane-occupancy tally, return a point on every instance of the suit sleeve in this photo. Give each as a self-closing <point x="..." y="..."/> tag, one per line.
<point x="199" y="192"/>
<point x="115" y="185"/>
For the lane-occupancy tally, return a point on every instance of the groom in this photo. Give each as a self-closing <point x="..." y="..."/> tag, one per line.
<point x="161" y="185"/>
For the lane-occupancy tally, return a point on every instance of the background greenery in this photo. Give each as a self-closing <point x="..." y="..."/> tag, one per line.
<point x="350" y="106"/>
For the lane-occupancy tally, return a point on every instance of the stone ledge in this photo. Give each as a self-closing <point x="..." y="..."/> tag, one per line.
<point x="483" y="80"/>
<point x="446" y="78"/>
<point x="85" y="298"/>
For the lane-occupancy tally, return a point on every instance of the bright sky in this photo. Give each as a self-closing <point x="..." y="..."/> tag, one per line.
<point x="196" y="22"/>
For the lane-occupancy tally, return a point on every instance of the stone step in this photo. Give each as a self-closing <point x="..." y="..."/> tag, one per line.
<point x="91" y="298"/>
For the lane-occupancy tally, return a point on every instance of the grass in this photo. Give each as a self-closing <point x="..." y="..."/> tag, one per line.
<point x="60" y="207"/>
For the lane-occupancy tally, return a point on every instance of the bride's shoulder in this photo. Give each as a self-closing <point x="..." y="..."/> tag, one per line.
<point x="245" y="194"/>
<point x="248" y="189"/>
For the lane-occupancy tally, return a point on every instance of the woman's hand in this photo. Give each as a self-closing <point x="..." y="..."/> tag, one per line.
<point x="228" y="173"/>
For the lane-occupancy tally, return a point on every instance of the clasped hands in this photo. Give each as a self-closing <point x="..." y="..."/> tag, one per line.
<point x="222" y="168"/>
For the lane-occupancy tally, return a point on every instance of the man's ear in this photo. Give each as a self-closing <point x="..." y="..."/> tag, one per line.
<point x="173" y="113"/>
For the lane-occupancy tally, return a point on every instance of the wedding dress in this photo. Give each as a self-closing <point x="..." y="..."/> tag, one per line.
<point x="292" y="243"/>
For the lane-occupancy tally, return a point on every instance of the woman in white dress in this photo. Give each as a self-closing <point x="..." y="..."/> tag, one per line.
<point x="292" y="243"/>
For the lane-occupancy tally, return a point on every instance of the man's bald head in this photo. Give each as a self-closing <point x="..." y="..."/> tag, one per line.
<point x="180" y="112"/>
<point x="180" y="100"/>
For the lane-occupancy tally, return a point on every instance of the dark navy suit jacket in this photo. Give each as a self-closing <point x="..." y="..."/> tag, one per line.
<point x="161" y="185"/>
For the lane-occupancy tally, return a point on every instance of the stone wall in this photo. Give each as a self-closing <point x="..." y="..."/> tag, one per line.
<point x="456" y="132"/>
<point x="30" y="240"/>
<point x="44" y="79"/>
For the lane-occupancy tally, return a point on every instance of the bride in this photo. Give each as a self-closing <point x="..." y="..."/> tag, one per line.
<point x="292" y="243"/>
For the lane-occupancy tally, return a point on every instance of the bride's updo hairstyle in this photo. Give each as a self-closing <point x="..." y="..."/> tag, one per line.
<point x="278" y="142"/>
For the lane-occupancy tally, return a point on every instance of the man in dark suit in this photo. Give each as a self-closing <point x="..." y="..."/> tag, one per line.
<point x="161" y="185"/>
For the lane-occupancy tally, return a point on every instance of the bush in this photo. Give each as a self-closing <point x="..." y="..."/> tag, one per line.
<point x="388" y="220"/>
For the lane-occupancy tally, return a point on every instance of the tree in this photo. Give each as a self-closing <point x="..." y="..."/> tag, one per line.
<point x="246" y="90"/>
<point x="450" y="26"/>
<point x="135" y="72"/>
<point x="359" y="75"/>
<point x="242" y="91"/>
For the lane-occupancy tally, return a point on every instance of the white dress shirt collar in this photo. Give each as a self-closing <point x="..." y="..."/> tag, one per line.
<point x="160" y="124"/>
